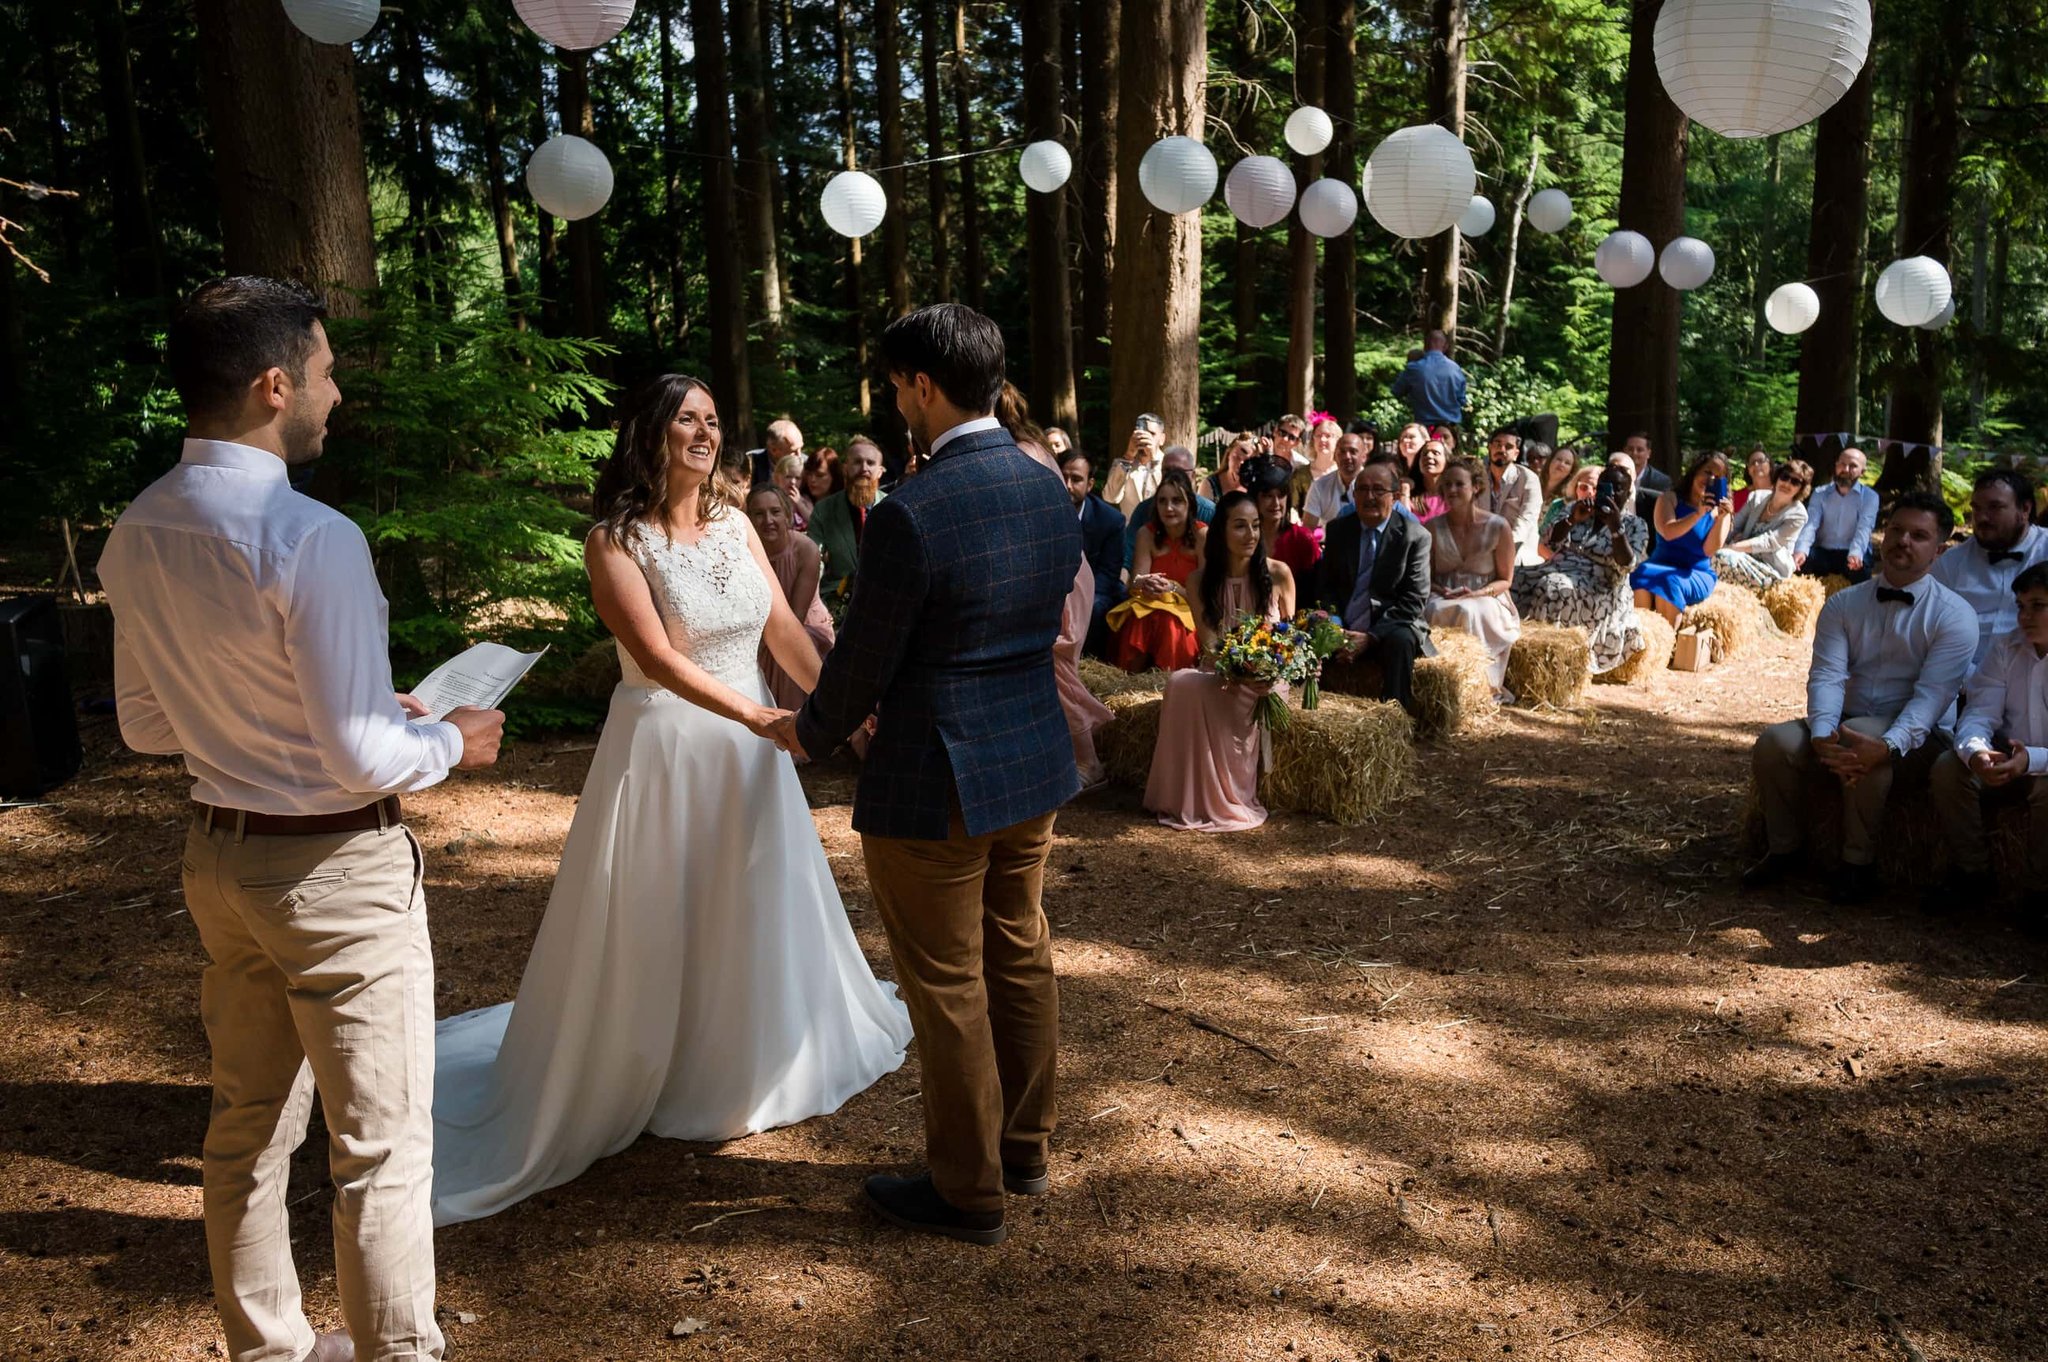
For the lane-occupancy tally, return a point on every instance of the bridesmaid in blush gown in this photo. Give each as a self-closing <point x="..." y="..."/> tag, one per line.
<point x="798" y="564"/>
<point x="1205" y="768"/>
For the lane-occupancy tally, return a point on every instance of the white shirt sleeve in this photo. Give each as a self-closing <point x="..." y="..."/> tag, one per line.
<point x="335" y="634"/>
<point x="1830" y="670"/>
<point x="1987" y="703"/>
<point x="1323" y="500"/>
<point x="1941" y="675"/>
<point x="144" y="726"/>
<point x="1866" y="523"/>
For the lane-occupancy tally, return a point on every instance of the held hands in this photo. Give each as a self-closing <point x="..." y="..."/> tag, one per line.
<point x="777" y="726"/>
<point x="482" y="730"/>
<point x="1852" y="755"/>
<point x="1997" y="768"/>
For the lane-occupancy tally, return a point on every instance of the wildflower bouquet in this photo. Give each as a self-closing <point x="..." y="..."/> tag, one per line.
<point x="1325" y="636"/>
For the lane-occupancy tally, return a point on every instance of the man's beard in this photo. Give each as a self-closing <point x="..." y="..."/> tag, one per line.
<point x="862" y="489"/>
<point x="303" y="436"/>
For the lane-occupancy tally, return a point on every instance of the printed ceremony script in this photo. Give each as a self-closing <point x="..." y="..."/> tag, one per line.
<point x="483" y="676"/>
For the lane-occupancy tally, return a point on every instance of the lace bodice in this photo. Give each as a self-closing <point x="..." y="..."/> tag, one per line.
<point x="712" y="597"/>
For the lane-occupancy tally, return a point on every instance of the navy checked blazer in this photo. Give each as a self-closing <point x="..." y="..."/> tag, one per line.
<point x="964" y="574"/>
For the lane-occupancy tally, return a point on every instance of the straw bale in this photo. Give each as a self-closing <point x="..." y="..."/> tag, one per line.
<point x="1659" y="638"/>
<point x="1106" y="680"/>
<point x="1795" y="604"/>
<point x="1732" y="615"/>
<point x="1550" y="665"/>
<point x="1125" y="746"/>
<point x="1911" y="848"/>
<point x="1451" y="690"/>
<point x="1834" y="582"/>
<point x="1347" y="760"/>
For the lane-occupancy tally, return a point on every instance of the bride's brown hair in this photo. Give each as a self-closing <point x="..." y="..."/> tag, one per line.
<point x="633" y="487"/>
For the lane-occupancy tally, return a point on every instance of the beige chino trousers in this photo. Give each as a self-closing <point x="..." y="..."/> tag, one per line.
<point x="321" y="980"/>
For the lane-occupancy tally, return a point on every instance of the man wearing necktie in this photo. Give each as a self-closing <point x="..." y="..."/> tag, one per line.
<point x="1888" y="657"/>
<point x="2003" y="542"/>
<point x="1374" y="574"/>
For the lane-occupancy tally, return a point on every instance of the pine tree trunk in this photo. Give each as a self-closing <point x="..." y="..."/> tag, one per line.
<point x="780" y="186"/>
<point x="1340" y="252"/>
<point x="494" y="182"/>
<point x="1244" y="281"/>
<point x="1766" y="254"/>
<point x="138" y="251"/>
<point x="1507" y="276"/>
<point x="1101" y="25"/>
<point x="52" y="22"/>
<point x="288" y="151"/>
<point x="1443" y="263"/>
<point x="937" y="207"/>
<point x="731" y="380"/>
<point x="588" y="314"/>
<point x="547" y="244"/>
<point x="671" y="164"/>
<point x="1301" y="243"/>
<point x="970" y="194"/>
<point x="1829" y="350"/>
<point x="417" y="162"/>
<point x="754" y="180"/>
<point x="1155" y="314"/>
<point x="889" y="111"/>
<point x="1053" y="397"/>
<point x="1642" y="363"/>
<point x="856" y="291"/>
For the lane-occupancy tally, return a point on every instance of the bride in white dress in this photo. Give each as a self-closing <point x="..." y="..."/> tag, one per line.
<point x="695" y="976"/>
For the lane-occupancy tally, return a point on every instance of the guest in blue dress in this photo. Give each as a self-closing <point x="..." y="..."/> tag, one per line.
<point x="1692" y="521"/>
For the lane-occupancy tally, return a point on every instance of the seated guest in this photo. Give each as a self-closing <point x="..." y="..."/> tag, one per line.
<point x="1225" y="479"/>
<point x="838" y="520"/>
<point x="1323" y="436"/>
<point x="784" y="439"/>
<point x="1579" y="487"/>
<point x="1269" y="481"/>
<point x="1058" y="441"/>
<point x="1472" y="570"/>
<point x="1173" y="457"/>
<point x="1584" y="582"/>
<point x="2000" y="757"/>
<point x="1330" y="495"/>
<point x="1102" y="545"/>
<point x="1512" y="492"/>
<point x="1288" y="434"/>
<point x="1759" y="476"/>
<point x="1554" y="468"/>
<point x="797" y="563"/>
<point x="1408" y="445"/>
<point x="1205" y="765"/>
<point x="822" y="476"/>
<point x="789" y="476"/>
<point x="1155" y="627"/>
<point x="1374" y="576"/>
<point x="1134" y="476"/>
<point x="1367" y="432"/>
<point x="1759" y="548"/>
<point x="2002" y="543"/>
<point x="1429" y="470"/>
<point x="1839" y="521"/>
<point x="1692" y="524"/>
<point x="1888" y="657"/>
<point x="1651" y="481"/>
<point x="1084" y="713"/>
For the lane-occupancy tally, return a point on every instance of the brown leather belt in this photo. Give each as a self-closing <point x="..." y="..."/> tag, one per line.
<point x="385" y="813"/>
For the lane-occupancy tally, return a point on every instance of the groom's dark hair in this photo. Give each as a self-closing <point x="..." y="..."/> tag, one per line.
<point x="961" y="350"/>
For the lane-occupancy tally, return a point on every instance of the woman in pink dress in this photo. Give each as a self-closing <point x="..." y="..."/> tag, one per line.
<point x="1205" y="768"/>
<point x="1429" y="471"/>
<point x="796" y="562"/>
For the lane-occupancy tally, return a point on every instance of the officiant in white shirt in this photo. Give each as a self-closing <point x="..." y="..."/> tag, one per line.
<point x="2003" y="542"/>
<point x="250" y="638"/>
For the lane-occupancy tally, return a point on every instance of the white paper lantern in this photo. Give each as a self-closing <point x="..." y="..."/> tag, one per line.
<point x="1260" y="191"/>
<point x="1750" y="68"/>
<point x="1308" y="130"/>
<point x="332" y="21"/>
<point x="1624" y="259"/>
<point x="1686" y="263"/>
<point x="569" y="177"/>
<point x="1045" y="166"/>
<point x="1792" y="308"/>
<point x="1550" y="211"/>
<point x="1913" y="291"/>
<point x="1478" y="219"/>
<point x="1177" y="175"/>
<point x="853" y="203"/>
<point x="1329" y="207"/>
<point x="1943" y="317"/>
<point x="1419" y="181"/>
<point x="575" y="24"/>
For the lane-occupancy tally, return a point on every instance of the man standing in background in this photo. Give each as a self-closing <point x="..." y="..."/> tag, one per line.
<point x="1433" y="385"/>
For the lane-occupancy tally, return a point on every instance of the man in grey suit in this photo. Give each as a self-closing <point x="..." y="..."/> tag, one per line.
<point x="1374" y="575"/>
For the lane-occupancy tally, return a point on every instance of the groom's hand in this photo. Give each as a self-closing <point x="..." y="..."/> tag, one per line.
<point x="783" y="734"/>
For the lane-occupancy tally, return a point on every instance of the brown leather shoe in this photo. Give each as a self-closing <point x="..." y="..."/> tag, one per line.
<point x="914" y="1204"/>
<point x="334" y="1346"/>
<point x="1026" y="1179"/>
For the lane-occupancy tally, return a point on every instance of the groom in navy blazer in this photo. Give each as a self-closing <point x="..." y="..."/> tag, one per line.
<point x="963" y="578"/>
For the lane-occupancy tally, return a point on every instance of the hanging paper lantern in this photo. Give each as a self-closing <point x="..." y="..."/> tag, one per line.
<point x="332" y="21"/>
<point x="1045" y="166"/>
<point x="1478" y="219"/>
<point x="1329" y="207"/>
<point x="1686" y="263"/>
<point x="1624" y="259"/>
<point x="1942" y="318"/>
<point x="569" y="177"/>
<point x="1177" y="175"/>
<point x="1550" y="210"/>
<point x="1259" y="190"/>
<point x="1913" y="291"/>
<point x="1750" y="68"/>
<point x="575" y="24"/>
<point x="853" y="203"/>
<point x="1308" y="130"/>
<point x="1792" y="308"/>
<point x="1419" y="181"/>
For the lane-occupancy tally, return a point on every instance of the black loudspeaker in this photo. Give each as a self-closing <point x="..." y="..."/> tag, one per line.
<point x="38" y="726"/>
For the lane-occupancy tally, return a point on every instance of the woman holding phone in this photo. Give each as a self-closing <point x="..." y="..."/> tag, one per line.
<point x="1692" y="522"/>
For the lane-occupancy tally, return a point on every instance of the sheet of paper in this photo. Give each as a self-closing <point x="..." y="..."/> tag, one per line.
<point x="483" y="677"/>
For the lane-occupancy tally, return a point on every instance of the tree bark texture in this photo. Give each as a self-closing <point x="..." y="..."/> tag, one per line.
<point x="588" y="314"/>
<point x="754" y="177"/>
<point x="493" y="150"/>
<point x="1829" y="350"/>
<point x="1514" y="251"/>
<point x="1301" y="243"/>
<point x="937" y="199"/>
<point x="138" y="250"/>
<point x="895" y="181"/>
<point x="1053" y="396"/>
<point x="856" y="291"/>
<point x="288" y="152"/>
<point x="671" y="163"/>
<point x="1101" y="27"/>
<point x="1443" y="265"/>
<point x="970" y="194"/>
<point x="1155" y="313"/>
<point x="1340" y="252"/>
<point x="731" y="380"/>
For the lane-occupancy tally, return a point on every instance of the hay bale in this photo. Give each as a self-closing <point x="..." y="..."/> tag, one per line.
<point x="1106" y="680"/>
<point x="1550" y="665"/>
<point x="1347" y="760"/>
<point x="1911" y="849"/>
<point x="1732" y="615"/>
<point x="1834" y="582"/>
<point x="1125" y="746"/>
<point x="1451" y="689"/>
<point x="1795" y="604"/>
<point x="1659" y="638"/>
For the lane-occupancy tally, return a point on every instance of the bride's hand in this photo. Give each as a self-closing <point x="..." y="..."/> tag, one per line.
<point x="765" y="721"/>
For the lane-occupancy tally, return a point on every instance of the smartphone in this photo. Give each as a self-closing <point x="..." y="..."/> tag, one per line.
<point x="1720" y="488"/>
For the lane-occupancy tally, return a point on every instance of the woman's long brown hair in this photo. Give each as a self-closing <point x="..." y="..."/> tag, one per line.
<point x="633" y="486"/>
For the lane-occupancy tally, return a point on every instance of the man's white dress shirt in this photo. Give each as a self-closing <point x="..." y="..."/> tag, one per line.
<point x="1967" y="570"/>
<point x="973" y="426"/>
<point x="2007" y="703"/>
<point x="1901" y="662"/>
<point x="250" y="636"/>
<point x="1519" y="501"/>
<point x="1329" y="496"/>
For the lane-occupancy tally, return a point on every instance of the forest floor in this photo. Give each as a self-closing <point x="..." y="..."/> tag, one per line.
<point x="1541" y="1083"/>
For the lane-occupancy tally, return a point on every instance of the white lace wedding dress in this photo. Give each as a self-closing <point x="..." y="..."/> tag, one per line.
<point x="695" y="976"/>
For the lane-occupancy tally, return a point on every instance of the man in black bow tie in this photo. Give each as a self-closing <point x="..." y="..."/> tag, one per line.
<point x="1888" y="657"/>
<point x="2003" y="542"/>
